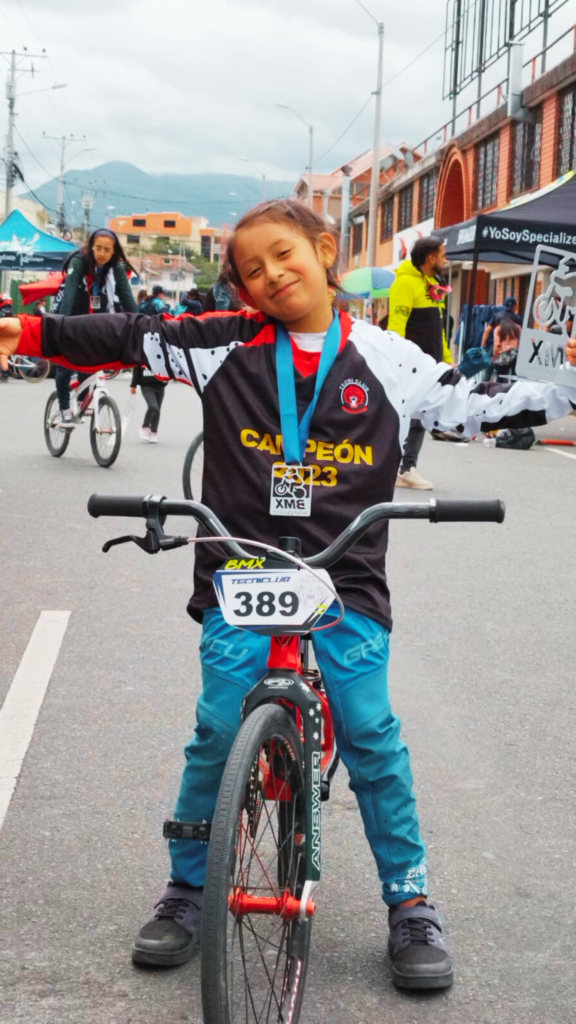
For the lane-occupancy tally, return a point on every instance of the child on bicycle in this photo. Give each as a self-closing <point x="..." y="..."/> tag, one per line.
<point x="282" y="259"/>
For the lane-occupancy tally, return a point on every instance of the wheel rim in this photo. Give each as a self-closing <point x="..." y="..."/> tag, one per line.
<point x="106" y="432"/>
<point x="56" y="435"/>
<point x="196" y="471"/>
<point x="264" y="951"/>
<point x="33" y="369"/>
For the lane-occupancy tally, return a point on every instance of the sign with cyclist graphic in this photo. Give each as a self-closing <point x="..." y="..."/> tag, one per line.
<point x="549" y="322"/>
<point x="291" y="491"/>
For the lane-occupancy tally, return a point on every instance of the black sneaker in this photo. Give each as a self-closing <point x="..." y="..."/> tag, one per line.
<point x="173" y="930"/>
<point x="416" y="947"/>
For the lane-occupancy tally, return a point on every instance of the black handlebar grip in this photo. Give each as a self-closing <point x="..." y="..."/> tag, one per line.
<point x="115" y="505"/>
<point x="468" y="511"/>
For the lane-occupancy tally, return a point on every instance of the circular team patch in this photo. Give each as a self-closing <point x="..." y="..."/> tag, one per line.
<point x="354" y="396"/>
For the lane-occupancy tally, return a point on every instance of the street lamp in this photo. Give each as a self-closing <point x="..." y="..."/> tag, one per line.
<point x="261" y="173"/>
<point x="311" y="161"/>
<point x="58" y="85"/>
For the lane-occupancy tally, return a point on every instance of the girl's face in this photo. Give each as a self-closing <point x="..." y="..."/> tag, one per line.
<point x="285" y="273"/>
<point x="103" y="249"/>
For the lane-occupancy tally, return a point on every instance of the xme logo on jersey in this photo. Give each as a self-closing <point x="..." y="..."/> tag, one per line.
<point x="354" y="395"/>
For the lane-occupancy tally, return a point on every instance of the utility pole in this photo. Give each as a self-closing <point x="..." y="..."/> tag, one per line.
<point x="87" y="204"/>
<point x="11" y="97"/>
<point x="375" y="179"/>
<point x="345" y="216"/>
<point x="63" y="140"/>
<point x="15" y="61"/>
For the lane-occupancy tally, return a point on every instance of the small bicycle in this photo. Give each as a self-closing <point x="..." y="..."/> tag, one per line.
<point x="30" y="368"/>
<point x="265" y="840"/>
<point x="99" y="408"/>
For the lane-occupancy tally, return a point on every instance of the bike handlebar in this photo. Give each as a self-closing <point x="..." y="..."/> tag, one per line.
<point x="441" y="511"/>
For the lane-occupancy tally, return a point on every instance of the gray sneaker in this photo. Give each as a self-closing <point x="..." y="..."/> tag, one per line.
<point x="168" y="938"/>
<point x="416" y="947"/>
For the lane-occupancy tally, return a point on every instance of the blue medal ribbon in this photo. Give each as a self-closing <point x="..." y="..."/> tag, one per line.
<point x="294" y="433"/>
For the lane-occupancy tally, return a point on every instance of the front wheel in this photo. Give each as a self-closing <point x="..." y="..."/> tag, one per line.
<point x="57" y="438"/>
<point x="33" y="369"/>
<point x="106" y="432"/>
<point x="255" y="948"/>
<point x="193" y="469"/>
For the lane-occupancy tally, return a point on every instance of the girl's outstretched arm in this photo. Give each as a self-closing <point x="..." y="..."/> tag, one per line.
<point x="443" y="399"/>
<point x="188" y="350"/>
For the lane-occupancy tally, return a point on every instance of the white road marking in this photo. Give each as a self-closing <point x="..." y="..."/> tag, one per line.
<point x="24" y="699"/>
<point x="555" y="451"/>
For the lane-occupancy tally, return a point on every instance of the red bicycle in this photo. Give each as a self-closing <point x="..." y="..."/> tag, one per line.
<point x="264" y="860"/>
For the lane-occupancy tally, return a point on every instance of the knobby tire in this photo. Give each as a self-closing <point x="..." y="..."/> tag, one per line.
<point x="254" y="969"/>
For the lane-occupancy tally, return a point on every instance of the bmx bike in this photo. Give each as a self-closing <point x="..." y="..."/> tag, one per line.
<point x="99" y="408"/>
<point x="30" y="368"/>
<point x="264" y="859"/>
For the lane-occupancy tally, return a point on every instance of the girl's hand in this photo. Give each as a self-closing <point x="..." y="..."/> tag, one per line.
<point x="570" y="351"/>
<point x="133" y="391"/>
<point x="10" y="331"/>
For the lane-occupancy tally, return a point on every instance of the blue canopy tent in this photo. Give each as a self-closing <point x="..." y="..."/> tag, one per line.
<point x="25" y="247"/>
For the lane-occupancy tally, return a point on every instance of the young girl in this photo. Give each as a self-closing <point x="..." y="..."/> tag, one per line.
<point x="95" y="282"/>
<point x="282" y="259"/>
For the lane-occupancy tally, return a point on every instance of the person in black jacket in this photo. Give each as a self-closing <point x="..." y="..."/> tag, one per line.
<point x="95" y="282"/>
<point x="153" y="394"/>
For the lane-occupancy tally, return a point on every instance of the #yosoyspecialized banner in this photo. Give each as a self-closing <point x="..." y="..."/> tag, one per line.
<point x="513" y="234"/>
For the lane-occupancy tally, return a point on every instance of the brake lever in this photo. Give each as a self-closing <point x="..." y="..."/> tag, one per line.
<point x="155" y="540"/>
<point x="149" y="543"/>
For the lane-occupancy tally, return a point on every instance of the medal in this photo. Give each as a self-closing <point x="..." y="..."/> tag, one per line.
<point x="291" y="488"/>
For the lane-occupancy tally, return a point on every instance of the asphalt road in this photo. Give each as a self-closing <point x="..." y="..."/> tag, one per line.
<point x="482" y="677"/>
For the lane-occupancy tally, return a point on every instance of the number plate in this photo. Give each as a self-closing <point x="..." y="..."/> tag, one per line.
<point x="273" y="601"/>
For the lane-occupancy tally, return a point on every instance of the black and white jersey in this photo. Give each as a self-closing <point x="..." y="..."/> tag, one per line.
<point x="377" y="384"/>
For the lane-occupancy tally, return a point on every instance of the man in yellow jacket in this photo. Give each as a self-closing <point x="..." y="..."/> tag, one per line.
<point x="417" y="307"/>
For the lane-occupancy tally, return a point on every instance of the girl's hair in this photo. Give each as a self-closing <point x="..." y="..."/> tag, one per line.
<point x="508" y="329"/>
<point x="87" y="255"/>
<point x="299" y="217"/>
<point x="142" y="294"/>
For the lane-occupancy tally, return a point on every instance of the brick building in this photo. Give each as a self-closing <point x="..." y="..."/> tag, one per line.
<point x="500" y="161"/>
<point x="497" y="160"/>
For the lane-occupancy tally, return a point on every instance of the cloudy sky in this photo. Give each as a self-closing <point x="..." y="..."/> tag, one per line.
<point x="191" y="85"/>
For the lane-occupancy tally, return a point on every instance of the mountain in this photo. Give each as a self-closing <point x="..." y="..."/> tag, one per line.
<point x="130" y="190"/>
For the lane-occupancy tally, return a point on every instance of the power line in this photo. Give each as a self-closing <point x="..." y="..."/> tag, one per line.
<point x="389" y="82"/>
<point x="56" y="111"/>
<point x="32" y="193"/>
<point x="52" y="177"/>
<point x="150" y="199"/>
<point x="410" y="63"/>
<point x="346" y="130"/>
<point x="16" y="33"/>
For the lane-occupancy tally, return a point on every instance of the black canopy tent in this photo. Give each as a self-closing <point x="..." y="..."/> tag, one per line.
<point x="511" y="235"/>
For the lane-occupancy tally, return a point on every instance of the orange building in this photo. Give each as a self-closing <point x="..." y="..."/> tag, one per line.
<point x="143" y="229"/>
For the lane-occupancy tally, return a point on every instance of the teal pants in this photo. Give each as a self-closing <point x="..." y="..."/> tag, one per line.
<point x="353" y="660"/>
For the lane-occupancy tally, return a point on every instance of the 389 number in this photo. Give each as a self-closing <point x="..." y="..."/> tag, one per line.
<point x="266" y="604"/>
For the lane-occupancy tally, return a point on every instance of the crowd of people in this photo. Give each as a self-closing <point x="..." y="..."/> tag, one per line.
<point x="282" y="263"/>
